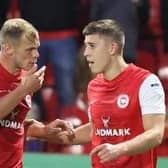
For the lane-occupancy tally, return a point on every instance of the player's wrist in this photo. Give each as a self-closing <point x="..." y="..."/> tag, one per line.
<point x="123" y="149"/>
<point x="166" y="131"/>
<point x="37" y="130"/>
<point x="21" y="89"/>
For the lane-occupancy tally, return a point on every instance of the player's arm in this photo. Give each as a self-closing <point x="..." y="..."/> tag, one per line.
<point x="166" y="127"/>
<point x="9" y="101"/>
<point x="29" y="84"/>
<point x="153" y="135"/>
<point x="36" y="129"/>
<point x="82" y="135"/>
<point x="152" y="102"/>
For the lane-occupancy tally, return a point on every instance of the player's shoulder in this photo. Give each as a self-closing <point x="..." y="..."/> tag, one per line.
<point x="134" y="74"/>
<point x="151" y="85"/>
<point x="152" y="80"/>
<point x="138" y="69"/>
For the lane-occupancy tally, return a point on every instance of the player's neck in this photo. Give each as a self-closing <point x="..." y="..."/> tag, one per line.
<point x="115" y="69"/>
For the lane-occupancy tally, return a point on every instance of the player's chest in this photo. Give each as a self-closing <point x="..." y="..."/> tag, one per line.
<point x="116" y="105"/>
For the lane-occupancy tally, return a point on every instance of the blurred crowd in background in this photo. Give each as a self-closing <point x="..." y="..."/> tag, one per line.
<point x="60" y="23"/>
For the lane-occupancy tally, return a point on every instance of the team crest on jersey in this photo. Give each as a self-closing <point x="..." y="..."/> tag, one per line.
<point x="105" y="121"/>
<point x="123" y="100"/>
<point x="28" y="100"/>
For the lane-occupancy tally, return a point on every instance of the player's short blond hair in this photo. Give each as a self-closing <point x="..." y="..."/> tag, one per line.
<point x="14" y="29"/>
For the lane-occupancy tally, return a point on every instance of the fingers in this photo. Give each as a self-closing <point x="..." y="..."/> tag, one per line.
<point x="61" y="123"/>
<point x="28" y="122"/>
<point x="70" y="130"/>
<point x="104" y="156"/>
<point x="65" y="125"/>
<point x="106" y="152"/>
<point x="36" y="72"/>
<point x="54" y="130"/>
<point x="101" y="153"/>
<point x="40" y="71"/>
<point x="41" y="78"/>
<point x="40" y="74"/>
<point x="96" y="149"/>
<point x="52" y="134"/>
<point x="68" y="126"/>
<point x="32" y="70"/>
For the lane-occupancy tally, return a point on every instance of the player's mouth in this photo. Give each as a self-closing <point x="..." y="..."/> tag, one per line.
<point x="90" y="63"/>
<point x="34" y="62"/>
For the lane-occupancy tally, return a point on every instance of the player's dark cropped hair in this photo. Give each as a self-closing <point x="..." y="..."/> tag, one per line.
<point x="106" y="27"/>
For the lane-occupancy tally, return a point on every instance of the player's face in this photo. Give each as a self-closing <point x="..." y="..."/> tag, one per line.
<point x="97" y="53"/>
<point x="26" y="53"/>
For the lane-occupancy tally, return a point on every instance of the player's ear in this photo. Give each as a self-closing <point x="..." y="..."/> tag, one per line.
<point x="7" y="48"/>
<point x="114" y="48"/>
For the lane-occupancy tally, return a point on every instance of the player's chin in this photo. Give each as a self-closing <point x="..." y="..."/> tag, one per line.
<point x="95" y="71"/>
<point x="29" y="66"/>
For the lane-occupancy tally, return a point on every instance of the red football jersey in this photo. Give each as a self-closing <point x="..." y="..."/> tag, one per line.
<point x="11" y="127"/>
<point x="116" y="116"/>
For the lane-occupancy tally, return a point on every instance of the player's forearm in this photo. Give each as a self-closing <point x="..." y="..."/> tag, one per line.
<point x="36" y="130"/>
<point x="82" y="135"/>
<point x="142" y="142"/>
<point x="166" y="128"/>
<point x="11" y="100"/>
